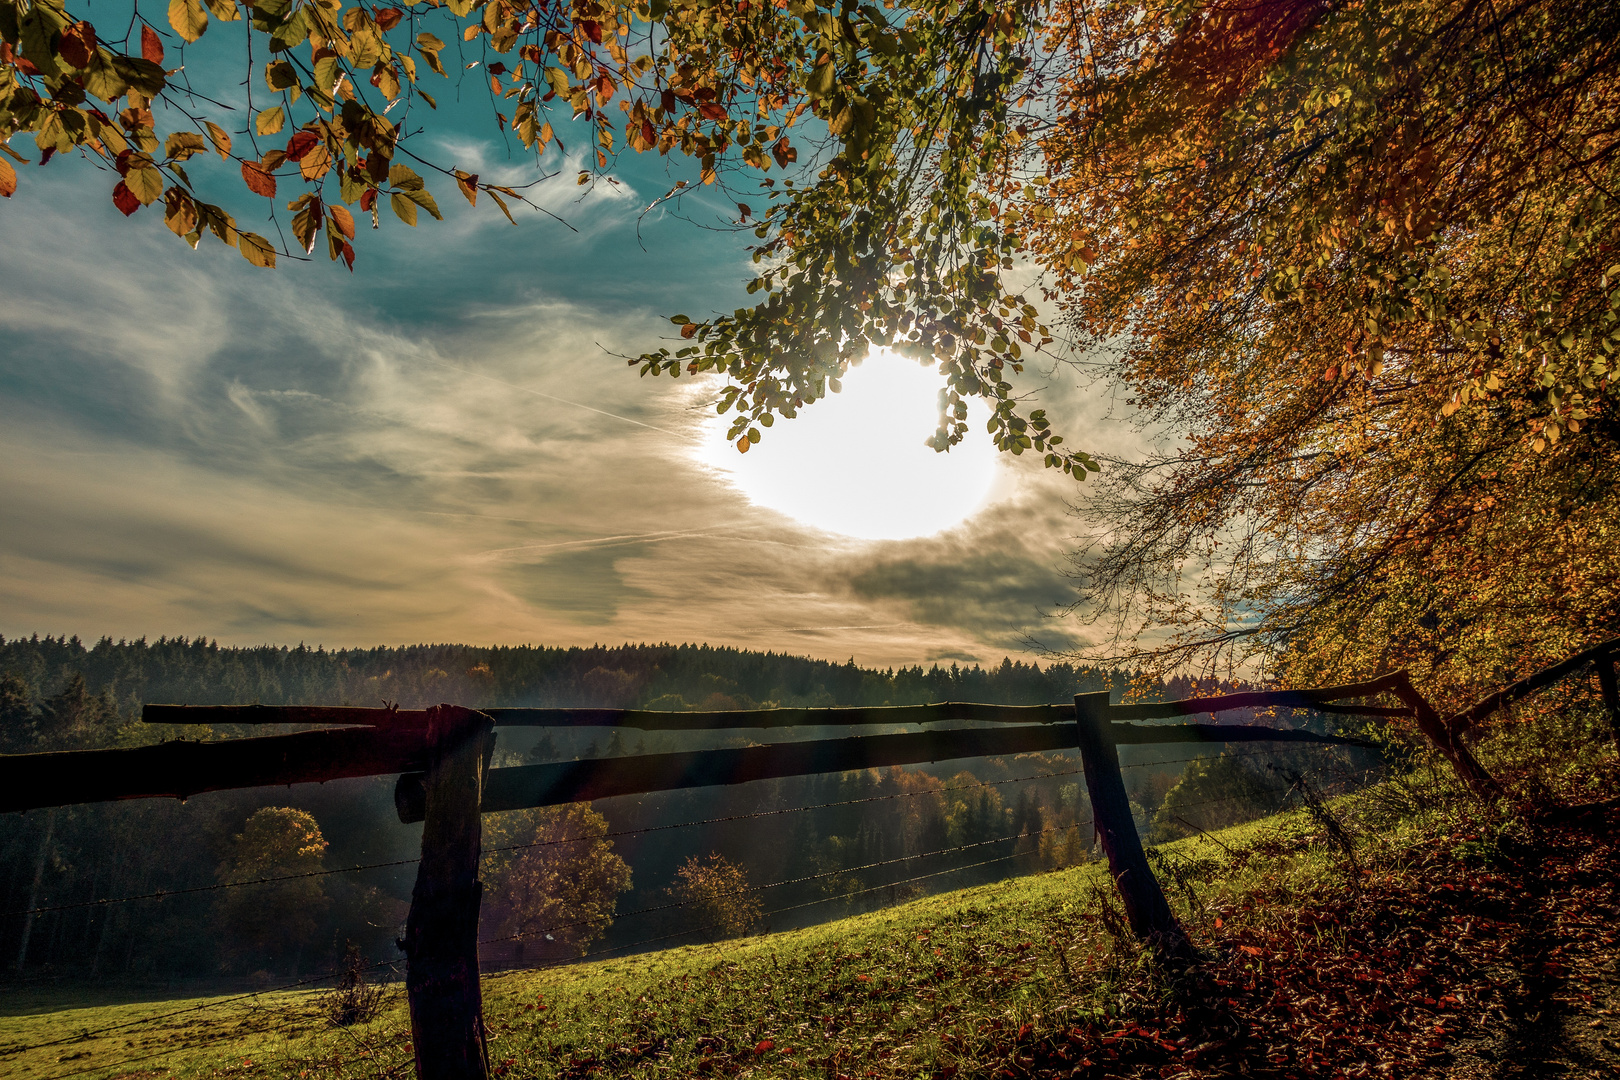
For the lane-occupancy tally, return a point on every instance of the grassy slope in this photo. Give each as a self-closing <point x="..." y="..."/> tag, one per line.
<point x="1445" y="950"/>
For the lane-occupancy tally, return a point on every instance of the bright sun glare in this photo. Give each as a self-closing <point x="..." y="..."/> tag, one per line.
<point x="856" y="462"/>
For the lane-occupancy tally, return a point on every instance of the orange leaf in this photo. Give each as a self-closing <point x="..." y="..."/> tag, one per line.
<point x="258" y="181"/>
<point x="343" y="219"/>
<point x="8" y="178"/>
<point x="151" y="45"/>
<point x="388" y="18"/>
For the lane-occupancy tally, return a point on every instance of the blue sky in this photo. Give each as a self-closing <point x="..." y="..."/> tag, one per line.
<point x="442" y="446"/>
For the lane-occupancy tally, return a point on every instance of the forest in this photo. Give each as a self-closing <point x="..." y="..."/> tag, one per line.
<point x="595" y="869"/>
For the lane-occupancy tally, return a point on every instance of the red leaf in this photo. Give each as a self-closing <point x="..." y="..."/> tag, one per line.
<point x="300" y="144"/>
<point x="764" y="1045"/>
<point x="151" y="45"/>
<point x="368" y="199"/>
<point x="121" y="162"/>
<point x="497" y="68"/>
<point x="531" y="53"/>
<point x="1251" y="950"/>
<point x="667" y="100"/>
<point x="648" y="135"/>
<point x="593" y="30"/>
<point x="348" y="256"/>
<point x="46" y="154"/>
<point x="388" y="18"/>
<point x="78" y="44"/>
<point x="125" y="199"/>
<point x="258" y="181"/>
<point x="711" y="111"/>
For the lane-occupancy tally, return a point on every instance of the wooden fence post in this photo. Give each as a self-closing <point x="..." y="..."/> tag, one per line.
<point x="1149" y="914"/>
<point x="1448" y="742"/>
<point x="441" y="932"/>
<point x="1611" y="692"/>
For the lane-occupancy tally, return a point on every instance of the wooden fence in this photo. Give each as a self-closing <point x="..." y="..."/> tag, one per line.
<point x="442" y="757"/>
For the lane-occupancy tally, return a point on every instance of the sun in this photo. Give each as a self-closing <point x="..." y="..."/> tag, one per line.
<point x="856" y="462"/>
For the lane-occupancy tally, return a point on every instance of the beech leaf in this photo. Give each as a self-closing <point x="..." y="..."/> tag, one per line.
<point x="188" y="18"/>
<point x="258" y="180"/>
<point x="8" y="178"/>
<point x="256" y="250"/>
<point x="151" y="44"/>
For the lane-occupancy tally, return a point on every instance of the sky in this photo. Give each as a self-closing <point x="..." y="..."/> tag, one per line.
<point x="447" y="446"/>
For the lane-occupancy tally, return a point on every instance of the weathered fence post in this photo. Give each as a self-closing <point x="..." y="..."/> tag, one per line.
<point x="1145" y="907"/>
<point x="1611" y="692"/>
<point x="441" y="932"/>
<point x="1448" y="742"/>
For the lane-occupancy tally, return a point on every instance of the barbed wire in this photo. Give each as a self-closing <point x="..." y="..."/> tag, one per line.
<point x="162" y="894"/>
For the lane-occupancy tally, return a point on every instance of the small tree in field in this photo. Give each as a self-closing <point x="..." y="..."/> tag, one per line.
<point x="717" y="890"/>
<point x="274" y="921"/>
<point x="556" y="885"/>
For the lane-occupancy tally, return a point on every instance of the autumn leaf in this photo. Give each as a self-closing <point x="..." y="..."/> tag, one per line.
<point x="78" y="45"/>
<point x="151" y="45"/>
<point x="343" y="219"/>
<point x="468" y="183"/>
<point x="8" y="178"/>
<point x="301" y="143"/>
<point x="388" y="18"/>
<point x="146" y="184"/>
<point x="258" y="180"/>
<point x="256" y="250"/>
<point x="269" y="121"/>
<point x="220" y="138"/>
<point x="188" y="18"/>
<point x="180" y="213"/>
<point x="125" y="199"/>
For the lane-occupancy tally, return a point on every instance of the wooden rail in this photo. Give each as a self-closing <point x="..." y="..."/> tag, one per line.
<point x="182" y="769"/>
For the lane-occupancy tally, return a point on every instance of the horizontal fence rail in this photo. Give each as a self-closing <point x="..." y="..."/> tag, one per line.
<point x="524" y="786"/>
<point x="183" y="769"/>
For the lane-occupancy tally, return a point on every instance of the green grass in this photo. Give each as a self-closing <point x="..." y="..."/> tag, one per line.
<point x="882" y="988"/>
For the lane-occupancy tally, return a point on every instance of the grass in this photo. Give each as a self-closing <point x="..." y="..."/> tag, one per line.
<point x="1033" y="976"/>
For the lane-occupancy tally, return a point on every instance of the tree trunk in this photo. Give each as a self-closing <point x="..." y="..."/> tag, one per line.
<point x="1145" y="907"/>
<point x="33" y="891"/>
<point x="441" y="932"/>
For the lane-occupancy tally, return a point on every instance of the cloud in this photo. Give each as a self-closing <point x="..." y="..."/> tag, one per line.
<point x="442" y="447"/>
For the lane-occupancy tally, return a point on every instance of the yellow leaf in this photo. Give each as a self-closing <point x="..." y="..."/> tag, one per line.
<point x="8" y="178"/>
<point x="256" y="250"/>
<point x="269" y="121"/>
<point x="221" y="139"/>
<point x="145" y="184"/>
<point x="188" y="18"/>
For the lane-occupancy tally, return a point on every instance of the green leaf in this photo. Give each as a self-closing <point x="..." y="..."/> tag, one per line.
<point x="188" y="18"/>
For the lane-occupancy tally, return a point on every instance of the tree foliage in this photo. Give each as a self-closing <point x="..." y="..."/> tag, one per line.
<point x="275" y="921"/>
<point x="552" y="878"/>
<point x="1363" y="256"/>
<point x="716" y="890"/>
